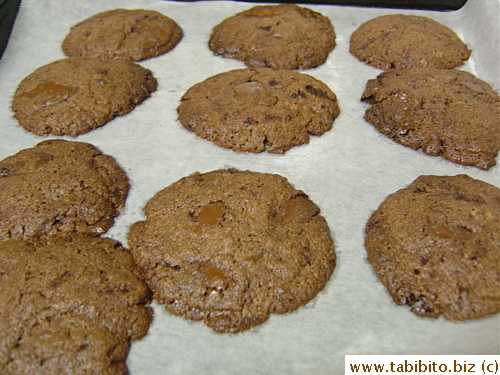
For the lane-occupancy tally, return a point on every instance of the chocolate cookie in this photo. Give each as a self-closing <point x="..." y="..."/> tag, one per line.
<point x="75" y="95"/>
<point x="446" y="112"/>
<point x="283" y="36"/>
<point x="230" y="247"/>
<point x="132" y="34"/>
<point x="69" y="306"/>
<point x="252" y="110"/>
<point x="403" y="41"/>
<point x="434" y="245"/>
<point x="59" y="187"/>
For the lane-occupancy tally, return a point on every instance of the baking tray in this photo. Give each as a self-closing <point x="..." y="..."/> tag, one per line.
<point x="8" y="13"/>
<point x="401" y="4"/>
<point x="347" y="172"/>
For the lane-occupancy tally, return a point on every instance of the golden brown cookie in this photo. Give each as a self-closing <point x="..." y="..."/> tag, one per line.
<point x="132" y="34"/>
<point x="284" y="36"/>
<point x="445" y="112"/>
<point x="253" y="110"/>
<point x="69" y="305"/>
<point x="231" y="247"/>
<point x="60" y="187"/>
<point x="435" y="246"/>
<point x="403" y="41"/>
<point x="75" y="95"/>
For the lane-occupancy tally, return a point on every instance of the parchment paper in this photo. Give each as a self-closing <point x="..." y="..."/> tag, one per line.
<point x="348" y="172"/>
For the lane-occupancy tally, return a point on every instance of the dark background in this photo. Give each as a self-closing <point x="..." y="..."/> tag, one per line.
<point x="442" y="5"/>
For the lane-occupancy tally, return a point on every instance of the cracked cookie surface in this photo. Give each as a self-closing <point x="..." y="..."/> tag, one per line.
<point x="69" y="305"/>
<point x="406" y="41"/>
<point x="434" y="245"/>
<point x="132" y="34"/>
<point x="253" y="110"/>
<point x="75" y="95"/>
<point x="445" y="112"/>
<point x="230" y="247"/>
<point x="284" y="36"/>
<point x="60" y="187"/>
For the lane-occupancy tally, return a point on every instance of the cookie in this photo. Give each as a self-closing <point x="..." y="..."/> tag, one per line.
<point x="132" y="34"/>
<point x="77" y="94"/>
<point x="231" y="247"/>
<point x="60" y="187"/>
<point x="434" y="245"/>
<point x="69" y="305"/>
<point x="253" y="110"/>
<point x="445" y="112"/>
<point x="284" y="36"/>
<point x="403" y="41"/>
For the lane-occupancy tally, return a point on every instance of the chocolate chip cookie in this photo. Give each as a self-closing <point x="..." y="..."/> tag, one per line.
<point x="434" y="245"/>
<point x="60" y="187"/>
<point x="69" y="305"/>
<point x="284" y="36"/>
<point x="132" y="34"/>
<point x="77" y="94"/>
<point x="262" y="109"/>
<point x="445" y="112"/>
<point x="231" y="247"/>
<point x="406" y="41"/>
